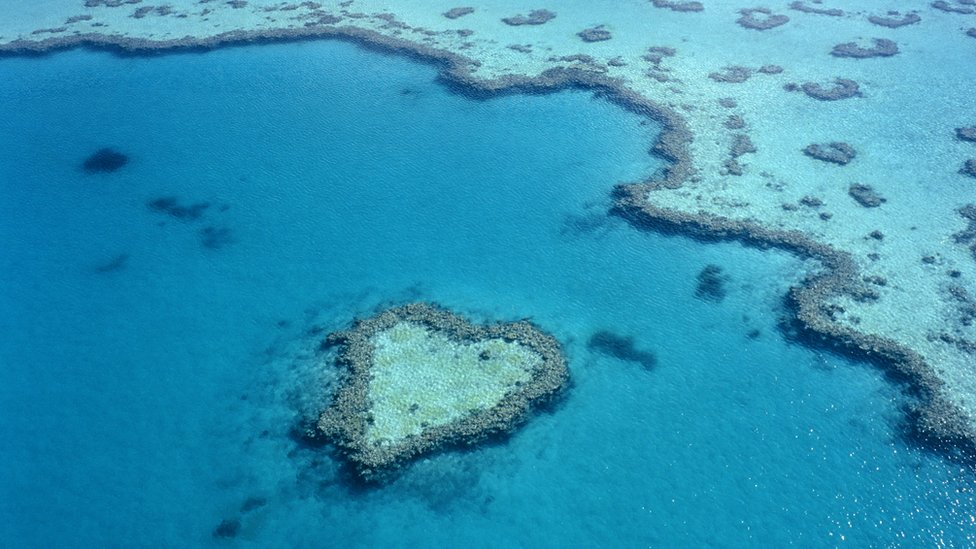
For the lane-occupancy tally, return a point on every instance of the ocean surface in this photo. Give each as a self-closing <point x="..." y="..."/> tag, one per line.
<point x="158" y="356"/>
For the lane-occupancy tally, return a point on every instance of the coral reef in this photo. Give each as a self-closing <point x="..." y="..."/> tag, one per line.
<point x="965" y="304"/>
<point x="760" y="19"/>
<point x="421" y="378"/>
<point x="54" y="30"/>
<point x="594" y="34"/>
<point x="836" y="152"/>
<point x="711" y="284"/>
<point x="147" y="10"/>
<point x="104" y="161"/>
<point x="741" y="144"/>
<point x="454" y="13"/>
<point x="109" y="3"/>
<point x="811" y="202"/>
<point x="535" y="17"/>
<point x="734" y="122"/>
<point x="949" y="8"/>
<point x="865" y="195"/>
<point x="967" y="236"/>
<point x="679" y="6"/>
<point x="935" y="422"/>
<point x="893" y="19"/>
<point x="801" y="6"/>
<point x="732" y="75"/>
<point x="967" y="133"/>
<point x="969" y="168"/>
<point x="843" y="88"/>
<point x="882" y="48"/>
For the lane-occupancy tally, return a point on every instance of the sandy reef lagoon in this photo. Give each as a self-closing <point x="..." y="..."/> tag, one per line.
<point x="420" y="377"/>
<point x="840" y="131"/>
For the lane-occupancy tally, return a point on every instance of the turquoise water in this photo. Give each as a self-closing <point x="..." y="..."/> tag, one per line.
<point x="144" y="404"/>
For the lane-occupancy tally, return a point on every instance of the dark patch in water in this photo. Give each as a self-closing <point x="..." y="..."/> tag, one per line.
<point x="253" y="503"/>
<point x="306" y="434"/>
<point x="104" y="161"/>
<point x="583" y="224"/>
<point x="170" y="205"/>
<point x="113" y="265"/>
<point x="443" y="482"/>
<point x="215" y="238"/>
<point x="228" y="528"/>
<point x="621" y="348"/>
<point x="711" y="284"/>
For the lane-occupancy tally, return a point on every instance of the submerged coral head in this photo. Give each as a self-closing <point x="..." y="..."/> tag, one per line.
<point x="105" y="160"/>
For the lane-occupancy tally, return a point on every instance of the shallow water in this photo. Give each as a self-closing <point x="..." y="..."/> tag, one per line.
<point x="145" y="400"/>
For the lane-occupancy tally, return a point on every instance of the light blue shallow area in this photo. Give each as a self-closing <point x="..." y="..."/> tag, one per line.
<point x="143" y="406"/>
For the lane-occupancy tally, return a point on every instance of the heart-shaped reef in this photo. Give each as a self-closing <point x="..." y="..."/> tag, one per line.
<point x="420" y="378"/>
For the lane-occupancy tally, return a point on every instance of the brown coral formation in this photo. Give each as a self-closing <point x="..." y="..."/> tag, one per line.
<point x="801" y="6"/>
<point x="894" y="20"/>
<point x="967" y="133"/>
<point x="760" y="19"/>
<point x="741" y="144"/>
<point x="967" y="236"/>
<point x="836" y="152"/>
<point x="679" y="6"/>
<point x="454" y="13"/>
<point x="950" y="8"/>
<point x="882" y="48"/>
<point x="969" y="168"/>
<point x="732" y="75"/>
<point x="865" y="195"/>
<point x="535" y="17"/>
<point x="594" y="34"/>
<point x="843" y="88"/>
<point x="347" y="419"/>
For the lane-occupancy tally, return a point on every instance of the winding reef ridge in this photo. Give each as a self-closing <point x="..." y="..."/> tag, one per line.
<point x="900" y="120"/>
<point x="421" y="377"/>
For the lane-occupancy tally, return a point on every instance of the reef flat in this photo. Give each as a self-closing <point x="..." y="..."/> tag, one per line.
<point x="890" y="272"/>
<point x="420" y="377"/>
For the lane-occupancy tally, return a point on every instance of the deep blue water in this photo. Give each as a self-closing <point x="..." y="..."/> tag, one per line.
<point x="144" y="404"/>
